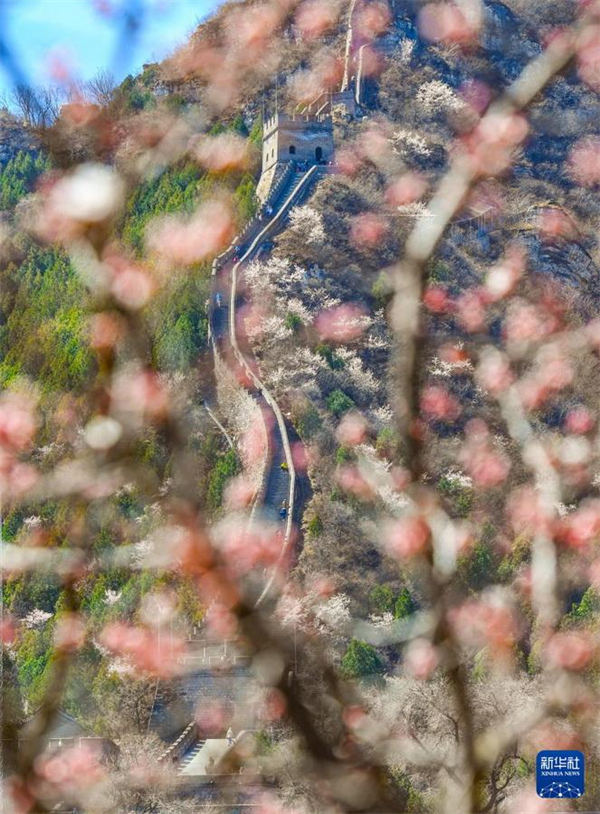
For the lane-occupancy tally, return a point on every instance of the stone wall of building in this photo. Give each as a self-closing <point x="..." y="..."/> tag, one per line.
<point x="299" y="138"/>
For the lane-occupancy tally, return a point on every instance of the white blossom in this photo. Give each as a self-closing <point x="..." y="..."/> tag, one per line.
<point x="436" y="96"/>
<point x="407" y="141"/>
<point x="405" y="50"/>
<point x="458" y="478"/>
<point x="384" y="621"/>
<point x="36" y="618"/>
<point x="308" y="224"/>
<point x="334" y="614"/>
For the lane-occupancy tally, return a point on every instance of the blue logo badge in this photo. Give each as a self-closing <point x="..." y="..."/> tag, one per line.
<point x="560" y="773"/>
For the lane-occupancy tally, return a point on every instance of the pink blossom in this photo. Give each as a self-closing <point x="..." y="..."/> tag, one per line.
<point x="438" y="403"/>
<point x="351" y="480"/>
<point x="193" y="552"/>
<point x="553" y="223"/>
<point x="502" y="278"/>
<point x="375" y="145"/>
<point x="212" y="719"/>
<point x="579" y="420"/>
<point x="453" y="354"/>
<point x="314" y="17"/>
<point x="141" y="392"/>
<point x="70" y="632"/>
<point x="222" y="153"/>
<point x="58" y="66"/>
<point x="148" y="651"/>
<point x="526" y="512"/>
<point x="533" y="392"/>
<point x="132" y="287"/>
<point x="470" y="309"/>
<point x="485" y="621"/>
<point x="249" y="31"/>
<point x="91" y="194"/>
<point x="582" y="527"/>
<point x="557" y="372"/>
<point x="436" y="299"/>
<point x="367" y="230"/>
<point x="570" y="650"/>
<point x="584" y="161"/>
<point x="19" y="478"/>
<point x="342" y="323"/>
<point x="221" y="621"/>
<point x="17" y="421"/>
<point x="588" y="56"/>
<point x="494" y="373"/>
<point x="348" y="160"/>
<point x="239" y="493"/>
<point x="204" y="235"/>
<point x="306" y="86"/>
<point x="407" y="537"/>
<point x="300" y="456"/>
<point x="80" y="114"/>
<point x="8" y="629"/>
<point x="106" y="330"/>
<point x="246" y="547"/>
<point x="19" y="795"/>
<point x="273" y="707"/>
<point x="352" y="429"/>
<point x="372" y="62"/>
<point x="525" y="322"/>
<point x="70" y="769"/>
<point x="372" y="19"/>
<point x="549" y="736"/>
<point x="445" y="22"/>
<point x="421" y="659"/>
<point x="487" y="466"/>
<point x="490" y="146"/>
<point x="477" y="95"/>
<point x="406" y="189"/>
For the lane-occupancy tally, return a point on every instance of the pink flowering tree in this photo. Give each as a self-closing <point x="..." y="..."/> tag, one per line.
<point x="423" y="618"/>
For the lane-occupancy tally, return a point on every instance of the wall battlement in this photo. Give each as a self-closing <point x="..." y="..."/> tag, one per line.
<point x="301" y="137"/>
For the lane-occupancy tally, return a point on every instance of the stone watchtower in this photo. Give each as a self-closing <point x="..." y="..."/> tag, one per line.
<point x="301" y="138"/>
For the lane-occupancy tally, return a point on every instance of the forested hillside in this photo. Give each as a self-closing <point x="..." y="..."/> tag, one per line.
<point x="424" y="327"/>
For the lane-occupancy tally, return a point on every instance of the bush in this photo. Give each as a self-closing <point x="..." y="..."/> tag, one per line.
<point x="382" y="290"/>
<point x="345" y="455"/>
<point x="225" y="468"/>
<point x="587" y="607"/>
<point x="361" y="660"/>
<point x="314" y="526"/>
<point x="308" y="422"/>
<point x="245" y="196"/>
<point x="292" y="321"/>
<point x="334" y="361"/>
<point x="460" y="498"/>
<point x="404" y="605"/>
<point x="381" y="599"/>
<point x="339" y="403"/>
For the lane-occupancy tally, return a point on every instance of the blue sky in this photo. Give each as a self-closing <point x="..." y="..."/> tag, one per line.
<point x="79" y="34"/>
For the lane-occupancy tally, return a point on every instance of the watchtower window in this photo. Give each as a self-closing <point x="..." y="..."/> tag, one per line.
<point x="292" y="149"/>
<point x="319" y="154"/>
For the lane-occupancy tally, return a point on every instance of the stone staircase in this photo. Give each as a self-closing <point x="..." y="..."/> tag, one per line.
<point x="190" y="755"/>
